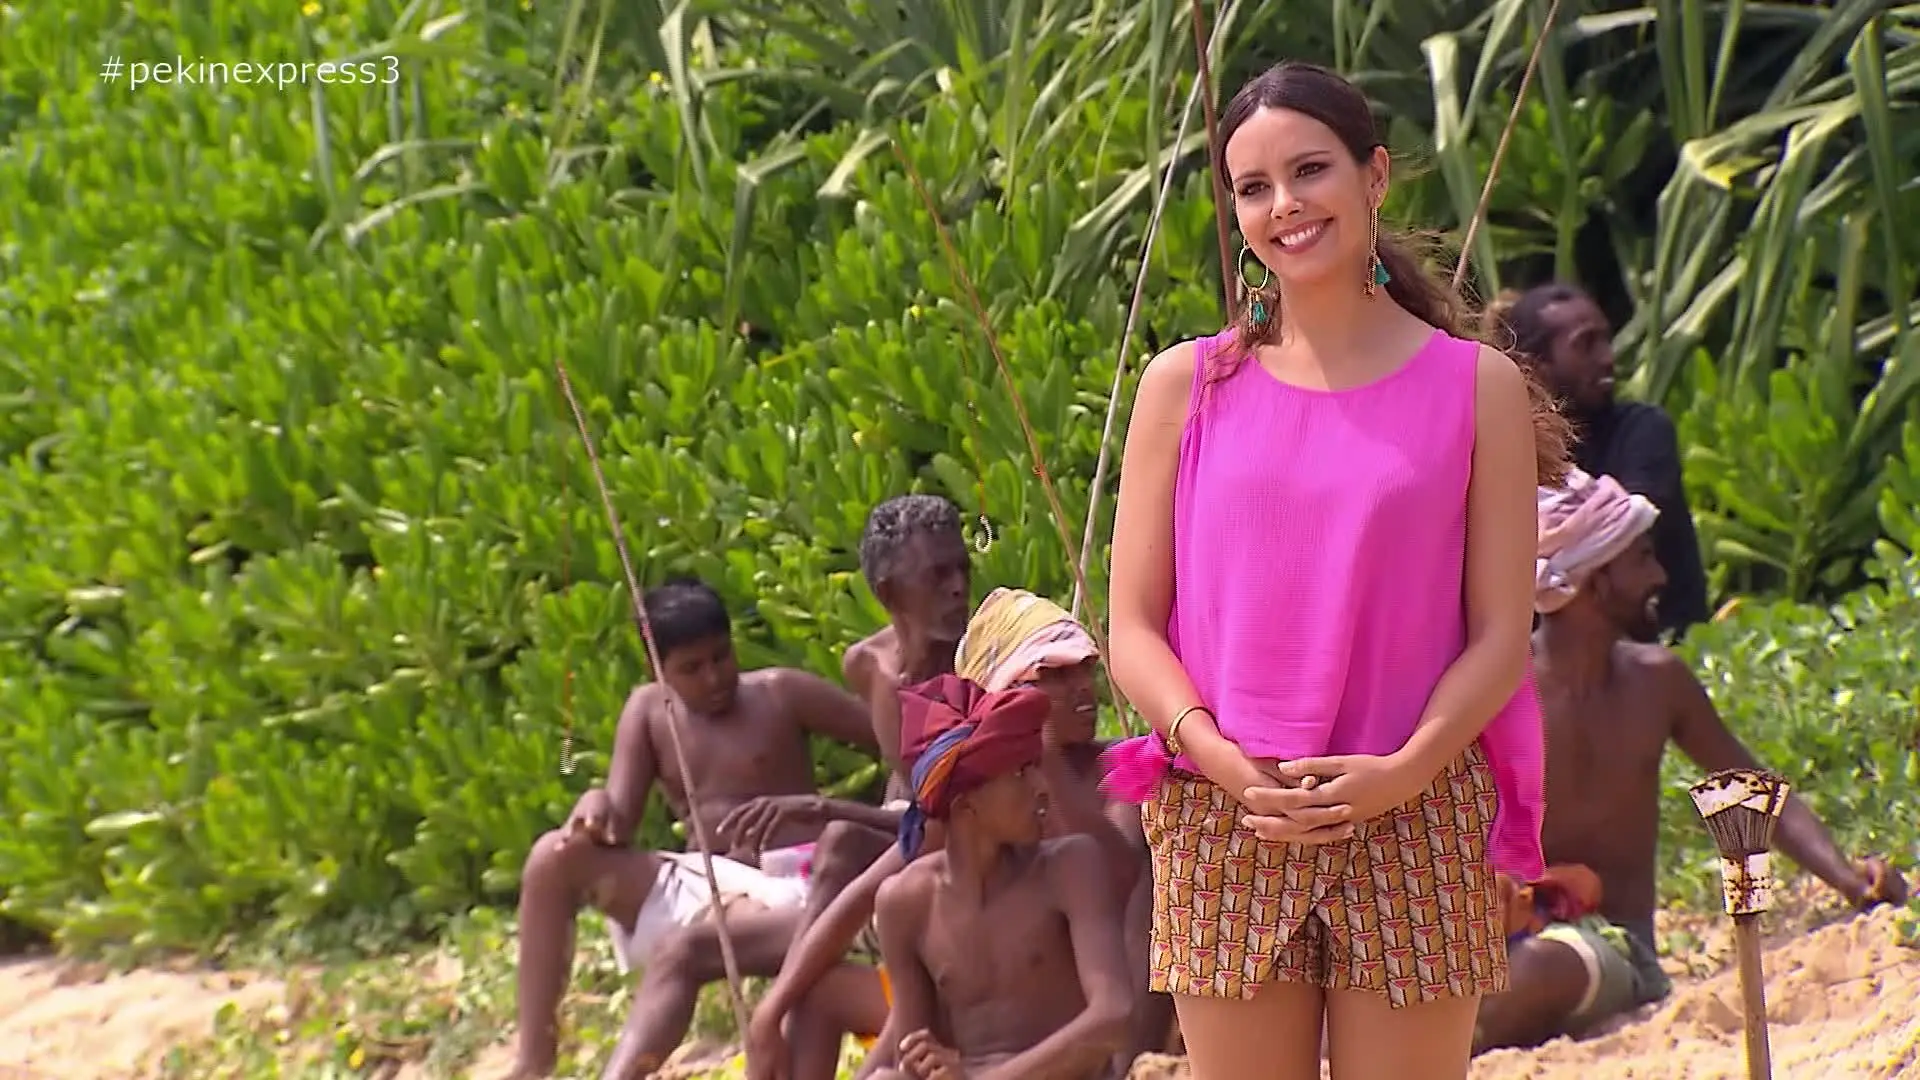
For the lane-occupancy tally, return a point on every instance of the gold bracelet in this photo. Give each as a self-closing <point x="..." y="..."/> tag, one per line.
<point x="1172" y="736"/>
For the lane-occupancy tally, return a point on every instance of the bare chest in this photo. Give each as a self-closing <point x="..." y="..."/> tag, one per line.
<point x="762" y="753"/>
<point x="1603" y="767"/>
<point x="997" y="953"/>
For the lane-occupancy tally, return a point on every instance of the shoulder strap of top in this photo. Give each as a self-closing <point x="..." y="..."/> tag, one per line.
<point x="1468" y="349"/>
<point x="1466" y="362"/>
<point x="1202" y="356"/>
<point x="1449" y="361"/>
<point x="1462" y="380"/>
<point x="1206" y="352"/>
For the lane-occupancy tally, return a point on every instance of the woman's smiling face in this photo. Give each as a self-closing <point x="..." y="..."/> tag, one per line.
<point x="1303" y="203"/>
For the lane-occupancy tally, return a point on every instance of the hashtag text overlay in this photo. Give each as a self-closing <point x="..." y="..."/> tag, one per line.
<point x="180" y="71"/>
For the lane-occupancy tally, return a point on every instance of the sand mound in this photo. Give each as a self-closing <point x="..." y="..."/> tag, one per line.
<point x="66" y="1021"/>
<point x="1840" y="1001"/>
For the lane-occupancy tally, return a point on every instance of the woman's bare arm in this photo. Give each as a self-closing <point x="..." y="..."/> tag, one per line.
<point x="1141" y="592"/>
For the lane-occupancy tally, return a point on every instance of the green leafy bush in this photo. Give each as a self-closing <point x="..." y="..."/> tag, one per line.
<point x="305" y="572"/>
<point x="1824" y="696"/>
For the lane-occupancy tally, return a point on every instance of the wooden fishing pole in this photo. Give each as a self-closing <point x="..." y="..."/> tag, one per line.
<point x="1203" y="45"/>
<point x="696" y="824"/>
<point x="1202" y="90"/>
<point x="567" y="757"/>
<point x="1500" y="148"/>
<point x="1742" y="808"/>
<point x="1056" y="510"/>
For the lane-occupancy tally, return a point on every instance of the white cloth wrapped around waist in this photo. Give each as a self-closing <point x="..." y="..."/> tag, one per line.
<point x="681" y="898"/>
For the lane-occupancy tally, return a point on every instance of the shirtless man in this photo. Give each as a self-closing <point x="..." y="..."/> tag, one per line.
<point x="1016" y="639"/>
<point x="1004" y="948"/>
<point x="746" y="740"/>
<point x="1611" y="706"/>
<point x="916" y="565"/>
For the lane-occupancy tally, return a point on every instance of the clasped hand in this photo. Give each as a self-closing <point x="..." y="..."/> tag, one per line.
<point x="1323" y="799"/>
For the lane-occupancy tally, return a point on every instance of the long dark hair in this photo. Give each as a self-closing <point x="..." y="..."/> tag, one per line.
<point x="1314" y="91"/>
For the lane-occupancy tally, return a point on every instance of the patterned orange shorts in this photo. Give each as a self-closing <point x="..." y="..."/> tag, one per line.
<point x="1408" y="907"/>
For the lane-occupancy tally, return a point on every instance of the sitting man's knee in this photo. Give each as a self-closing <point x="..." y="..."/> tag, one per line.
<point x="584" y="874"/>
<point x="835" y="837"/>
<point x="691" y="953"/>
<point x="1548" y="985"/>
<point x="845" y="850"/>
<point x="550" y="857"/>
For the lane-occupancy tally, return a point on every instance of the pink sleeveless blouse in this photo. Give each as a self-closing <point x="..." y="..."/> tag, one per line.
<point x="1319" y="571"/>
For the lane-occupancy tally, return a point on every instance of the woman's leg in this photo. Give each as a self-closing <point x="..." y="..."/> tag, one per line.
<point x="1421" y="934"/>
<point x="1369" y="1039"/>
<point x="1275" y="1035"/>
<point x="1229" y="914"/>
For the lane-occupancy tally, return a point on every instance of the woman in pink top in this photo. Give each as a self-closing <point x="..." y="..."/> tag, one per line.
<point x="1322" y="593"/>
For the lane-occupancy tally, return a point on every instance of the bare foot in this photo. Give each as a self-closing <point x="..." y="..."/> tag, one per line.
<point x="528" y="1067"/>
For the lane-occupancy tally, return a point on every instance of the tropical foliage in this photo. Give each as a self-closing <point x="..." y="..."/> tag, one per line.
<point x="1818" y="694"/>
<point x="306" y="574"/>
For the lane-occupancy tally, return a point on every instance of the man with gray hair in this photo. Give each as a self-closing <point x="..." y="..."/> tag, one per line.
<point x="917" y="565"/>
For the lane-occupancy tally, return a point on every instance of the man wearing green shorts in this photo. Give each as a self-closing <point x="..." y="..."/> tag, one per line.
<point x="1621" y="971"/>
<point x="1582" y="949"/>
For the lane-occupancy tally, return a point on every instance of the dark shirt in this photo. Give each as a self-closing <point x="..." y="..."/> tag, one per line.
<point x="1635" y="443"/>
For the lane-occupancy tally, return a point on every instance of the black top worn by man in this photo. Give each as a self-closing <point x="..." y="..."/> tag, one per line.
<point x="1566" y="337"/>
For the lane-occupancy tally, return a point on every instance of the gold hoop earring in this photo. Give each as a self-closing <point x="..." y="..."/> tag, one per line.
<point x="1377" y="274"/>
<point x="1256" y="292"/>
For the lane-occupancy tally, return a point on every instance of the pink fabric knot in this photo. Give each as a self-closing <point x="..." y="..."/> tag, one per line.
<point x="1135" y="768"/>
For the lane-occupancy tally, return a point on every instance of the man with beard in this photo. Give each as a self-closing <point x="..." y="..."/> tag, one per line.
<point x="1583" y="949"/>
<point x="1563" y="335"/>
<point x="746" y="738"/>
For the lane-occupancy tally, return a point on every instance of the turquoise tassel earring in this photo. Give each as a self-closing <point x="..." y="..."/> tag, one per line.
<point x="1256" y="291"/>
<point x="1377" y="274"/>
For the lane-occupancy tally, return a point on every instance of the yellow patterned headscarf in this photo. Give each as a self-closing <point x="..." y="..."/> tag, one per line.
<point x="1015" y="634"/>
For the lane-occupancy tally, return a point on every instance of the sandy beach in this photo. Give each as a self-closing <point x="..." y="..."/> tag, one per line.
<point x="1841" y="999"/>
